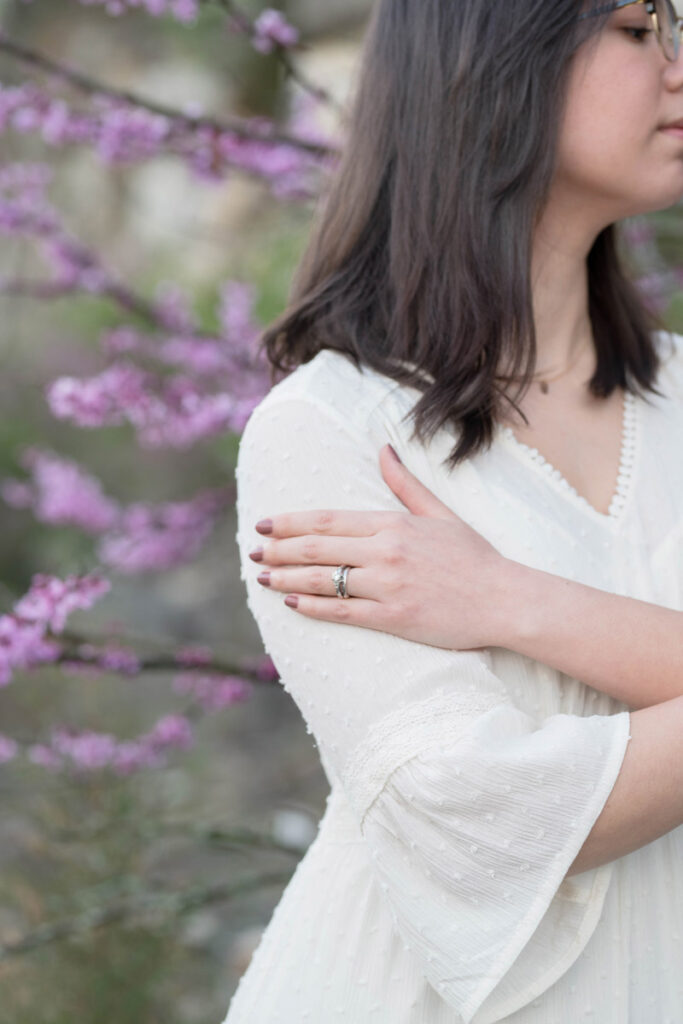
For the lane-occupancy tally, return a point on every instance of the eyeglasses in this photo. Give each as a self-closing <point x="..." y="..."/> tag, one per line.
<point x="668" y="26"/>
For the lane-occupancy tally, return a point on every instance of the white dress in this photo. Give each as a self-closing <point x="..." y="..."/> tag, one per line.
<point x="463" y="784"/>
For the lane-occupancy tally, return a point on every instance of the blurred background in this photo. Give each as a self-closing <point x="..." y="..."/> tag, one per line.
<point x="140" y="897"/>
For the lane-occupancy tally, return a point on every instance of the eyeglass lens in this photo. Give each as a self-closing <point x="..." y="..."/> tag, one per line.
<point x="668" y="28"/>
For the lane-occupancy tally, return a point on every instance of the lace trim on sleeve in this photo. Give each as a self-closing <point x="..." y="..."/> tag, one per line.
<point x="410" y="730"/>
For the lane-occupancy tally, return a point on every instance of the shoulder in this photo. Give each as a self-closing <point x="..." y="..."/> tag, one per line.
<point x="313" y="441"/>
<point x="332" y="390"/>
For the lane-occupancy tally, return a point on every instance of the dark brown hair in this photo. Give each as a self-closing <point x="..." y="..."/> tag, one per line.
<point x="420" y="259"/>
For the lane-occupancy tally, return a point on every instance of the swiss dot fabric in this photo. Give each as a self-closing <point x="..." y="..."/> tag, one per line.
<point x="463" y="784"/>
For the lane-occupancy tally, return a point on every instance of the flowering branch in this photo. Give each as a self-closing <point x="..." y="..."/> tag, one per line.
<point x="269" y="34"/>
<point x="99" y="654"/>
<point x="254" y="131"/>
<point x="173" y="411"/>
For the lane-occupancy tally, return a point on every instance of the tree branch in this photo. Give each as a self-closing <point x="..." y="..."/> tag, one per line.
<point x="92" y="87"/>
<point x="246" y="25"/>
<point x="46" y="291"/>
<point x="165" y="663"/>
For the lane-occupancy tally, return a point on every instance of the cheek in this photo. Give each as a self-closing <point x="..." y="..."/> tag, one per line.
<point x="605" y="130"/>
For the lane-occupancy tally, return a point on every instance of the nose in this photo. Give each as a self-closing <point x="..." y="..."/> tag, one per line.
<point x="673" y="74"/>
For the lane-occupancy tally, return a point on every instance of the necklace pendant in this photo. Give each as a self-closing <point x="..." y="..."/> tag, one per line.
<point x="544" y="387"/>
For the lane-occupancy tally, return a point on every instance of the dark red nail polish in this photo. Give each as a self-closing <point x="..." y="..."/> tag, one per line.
<point x="264" y="579"/>
<point x="394" y="453"/>
<point x="256" y="555"/>
<point x="264" y="526"/>
<point x="292" y="601"/>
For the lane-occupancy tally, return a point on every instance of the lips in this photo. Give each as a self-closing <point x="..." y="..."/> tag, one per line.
<point x="674" y="124"/>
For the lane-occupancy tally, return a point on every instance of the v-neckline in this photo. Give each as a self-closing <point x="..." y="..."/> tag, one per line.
<point x="557" y="480"/>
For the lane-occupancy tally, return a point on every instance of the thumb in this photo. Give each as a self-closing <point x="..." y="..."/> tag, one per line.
<point x="408" y="489"/>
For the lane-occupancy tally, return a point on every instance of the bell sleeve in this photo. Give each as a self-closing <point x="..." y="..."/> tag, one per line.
<point x="472" y="809"/>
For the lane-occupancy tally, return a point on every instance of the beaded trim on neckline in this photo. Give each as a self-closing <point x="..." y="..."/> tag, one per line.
<point x="626" y="463"/>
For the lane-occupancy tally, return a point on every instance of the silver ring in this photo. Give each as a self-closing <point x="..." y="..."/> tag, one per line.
<point x="339" y="578"/>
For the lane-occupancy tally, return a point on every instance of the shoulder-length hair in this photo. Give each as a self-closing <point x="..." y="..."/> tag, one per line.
<point x="419" y="265"/>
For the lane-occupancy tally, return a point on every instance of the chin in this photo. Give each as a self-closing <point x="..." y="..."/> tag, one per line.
<point x="658" y="199"/>
<point x="666" y="199"/>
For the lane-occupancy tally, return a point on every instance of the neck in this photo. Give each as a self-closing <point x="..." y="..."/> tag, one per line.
<point x="565" y="233"/>
<point x="559" y="276"/>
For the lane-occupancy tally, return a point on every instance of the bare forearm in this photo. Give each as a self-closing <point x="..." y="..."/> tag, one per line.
<point x="646" y="801"/>
<point x="629" y="649"/>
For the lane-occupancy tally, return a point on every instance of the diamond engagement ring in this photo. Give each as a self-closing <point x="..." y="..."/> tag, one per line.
<point x="339" y="578"/>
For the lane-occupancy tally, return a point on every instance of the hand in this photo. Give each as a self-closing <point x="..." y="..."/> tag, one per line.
<point x="424" y="575"/>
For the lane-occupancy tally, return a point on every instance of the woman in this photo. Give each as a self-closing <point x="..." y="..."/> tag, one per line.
<point x="498" y="704"/>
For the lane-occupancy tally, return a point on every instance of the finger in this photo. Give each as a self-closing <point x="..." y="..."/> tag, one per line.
<point x="330" y="551"/>
<point x="355" y="612"/>
<point x="329" y="522"/>
<point x="414" y="495"/>
<point x="316" y="581"/>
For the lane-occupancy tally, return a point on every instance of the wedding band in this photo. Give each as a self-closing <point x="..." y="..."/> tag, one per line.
<point x="339" y="578"/>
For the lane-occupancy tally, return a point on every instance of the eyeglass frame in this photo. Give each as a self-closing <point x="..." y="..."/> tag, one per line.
<point x="651" y="9"/>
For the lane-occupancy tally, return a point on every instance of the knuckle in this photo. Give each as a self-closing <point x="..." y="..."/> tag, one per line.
<point x="311" y="551"/>
<point x="395" y="551"/>
<point x="323" y="522"/>
<point x="319" y="581"/>
<point x="342" y="612"/>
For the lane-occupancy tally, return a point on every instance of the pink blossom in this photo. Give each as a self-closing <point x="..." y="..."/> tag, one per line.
<point x="119" y="659"/>
<point x="170" y="731"/>
<point x="103" y="400"/>
<point x="123" y="134"/>
<point x="22" y="646"/>
<point x="170" y="412"/>
<point x="24" y="209"/>
<point x="272" y="29"/>
<point x="133" y="755"/>
<point x="50" y="601"/>
<point x="61" y="492"/>
<point x="16" y="493"/>
<point x="111" y="658"/>
<point x="194" y="656"/>
<point x="8" y="749"/>
<point x="213" y="692"/>
<point x="657" y="289"/>
<point x="47" y="605"/>
<point x="88" y="750"/>
<point x="236" y="313"/>
<point x="142" y="537"/>
<point x="157" y="537"/>
<point x="74" y="266"/>
<point x="91" y="751"/>
<point x="263" y="668"/>
<point x="173" y="308"/>
<point x="182" y="10"/>
<point x="44" y="756"/>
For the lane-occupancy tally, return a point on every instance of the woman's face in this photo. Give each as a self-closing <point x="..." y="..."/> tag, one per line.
<point x="614" y="156"/>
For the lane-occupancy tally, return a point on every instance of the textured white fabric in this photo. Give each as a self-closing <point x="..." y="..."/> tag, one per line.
<point x="463" y="784"/>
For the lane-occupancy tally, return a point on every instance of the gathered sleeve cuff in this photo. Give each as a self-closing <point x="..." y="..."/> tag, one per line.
<point x="479" y="817"/>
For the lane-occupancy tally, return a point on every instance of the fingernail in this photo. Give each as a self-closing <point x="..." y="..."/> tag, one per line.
<point x="256" y="555"/>
<point x="292" y="601"/>
<point x="264" y="579"/>
<point x="394" y="453"/>
<point x="264" y="526"/>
